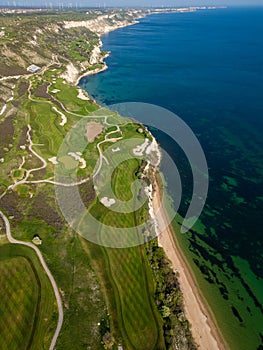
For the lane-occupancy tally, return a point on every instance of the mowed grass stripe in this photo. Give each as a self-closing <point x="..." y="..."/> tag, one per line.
<point x="133" y="269"/>
<point x="137" y="317"/>
<point x="17" y="317"/>
<point x="45" y="122"/>
<point x="136" y="321"/>
<point x="29" y="311"/>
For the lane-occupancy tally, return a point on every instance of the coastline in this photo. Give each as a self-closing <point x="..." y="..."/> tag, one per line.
<point x="91" y="72"/>
<point x="101" y="29"/>
<point x="225" y="321"/>
<point x="203" y="328"/>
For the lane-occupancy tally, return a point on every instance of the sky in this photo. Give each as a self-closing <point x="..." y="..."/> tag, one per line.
<point x="124" y="3"/>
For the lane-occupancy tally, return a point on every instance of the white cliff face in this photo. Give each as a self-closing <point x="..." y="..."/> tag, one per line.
<point x="71" y="73"/>
<point x="102" y="24"/>
<point x="95" y="55"/>
<point x="98" y="25"/>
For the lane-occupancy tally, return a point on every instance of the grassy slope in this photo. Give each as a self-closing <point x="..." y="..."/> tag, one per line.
<point x="136" y="322"/>
<point x="28" y="310"/>
<point x="83" y="302"/>
<point x="70" y="265"/>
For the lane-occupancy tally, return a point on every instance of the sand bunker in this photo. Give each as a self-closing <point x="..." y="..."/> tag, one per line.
<point x="53" y="160"/>
<point x="108" y="202"/>
<point x="77" y="157"/>
<point x="63" y="117"/>
<point x="138" y="150"/>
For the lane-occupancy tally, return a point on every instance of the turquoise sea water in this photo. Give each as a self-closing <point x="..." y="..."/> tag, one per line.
<point x="207" y="67"/>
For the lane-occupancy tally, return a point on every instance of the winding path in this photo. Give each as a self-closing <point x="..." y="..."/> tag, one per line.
<point x="28" y="172"/>
<point x="106" y="139"/>
<point x="25" y="180"/>
<point x="12" y="240"/>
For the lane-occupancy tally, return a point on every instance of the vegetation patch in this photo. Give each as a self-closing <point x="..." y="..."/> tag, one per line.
<point x="68" y="95"/>
<point x="6" y="134"/>
<point x="18" y="304"/>
<point x="18" y="174"/>
<point x="24" y="191"/>
<point x="169" y="300"/>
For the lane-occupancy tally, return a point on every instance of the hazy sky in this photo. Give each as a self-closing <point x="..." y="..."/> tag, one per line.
<point x="148" y="3"/>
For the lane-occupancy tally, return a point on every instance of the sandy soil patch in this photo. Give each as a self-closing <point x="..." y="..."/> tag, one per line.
<point x="3" y="110"/>
<point x="203" y="328"/>
<point x="93" y="129"/>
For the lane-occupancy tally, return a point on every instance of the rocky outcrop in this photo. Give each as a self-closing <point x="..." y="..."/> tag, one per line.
<point x="95" y="56"/>
<point x="71" y="73"/>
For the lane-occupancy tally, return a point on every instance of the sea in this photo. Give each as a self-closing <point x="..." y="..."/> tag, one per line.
<point x="207" y="68"/>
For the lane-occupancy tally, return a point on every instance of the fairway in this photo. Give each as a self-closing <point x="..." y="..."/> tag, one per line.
<point x="19" y="296"/>
<point x="130" y="287"/>
<point x="27" y="311"/>
<point x="134" y="293"/>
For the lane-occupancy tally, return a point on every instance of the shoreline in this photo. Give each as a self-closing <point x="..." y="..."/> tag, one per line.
<point x="203" y="327"/>
<point x="91" y="72"/>
<point x="204" y="330"/>
<point x="102" y="58"/>
<point x="105" y="31"/>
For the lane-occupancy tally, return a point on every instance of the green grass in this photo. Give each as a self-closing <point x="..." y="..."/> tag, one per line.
<point x="28" y="309"/>
<point x="68" y="95"/>
<point x="129" y="288"/>
<point x="123" y="177"/>
<point x="81" y="294"/>
<point x="19" y="301"/>
<point x="18" y="173"/>
<point x="132" y="281"/>
<point x="130" y="131"/>
<point x="36" y="227"/>
<point x="125" y="273"/>
<point x="45" y="123"/>
<point x="23" y="191"/>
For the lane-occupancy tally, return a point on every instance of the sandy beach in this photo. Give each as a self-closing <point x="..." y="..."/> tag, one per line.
<point x="204" y="331"/>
